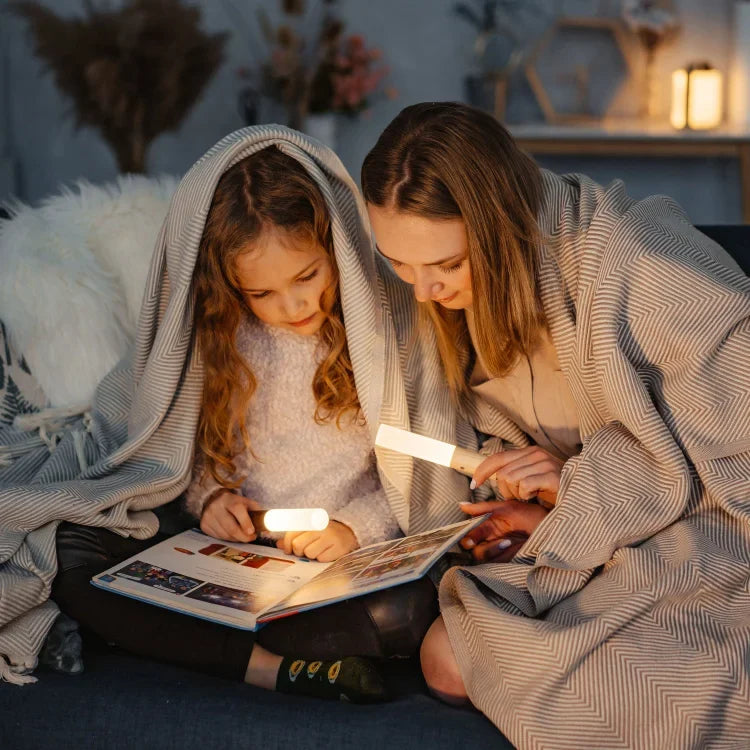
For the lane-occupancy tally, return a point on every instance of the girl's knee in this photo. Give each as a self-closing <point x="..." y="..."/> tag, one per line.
<point x="439" y="666"/>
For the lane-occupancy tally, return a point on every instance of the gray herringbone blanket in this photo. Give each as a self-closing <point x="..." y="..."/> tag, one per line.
<point x="138" y="441"/>
<point x="625" y="619"/>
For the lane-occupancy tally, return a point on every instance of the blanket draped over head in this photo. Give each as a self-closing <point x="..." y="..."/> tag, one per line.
<point x="624" y="621"/>
<point x="138" y="437"/>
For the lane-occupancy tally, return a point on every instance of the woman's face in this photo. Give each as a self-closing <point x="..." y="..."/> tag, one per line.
<point x="431" y="254"/>
<point x="283" y="279"/>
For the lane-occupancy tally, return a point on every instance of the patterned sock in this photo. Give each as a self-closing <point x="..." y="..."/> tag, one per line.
<point x="352" y="679"/>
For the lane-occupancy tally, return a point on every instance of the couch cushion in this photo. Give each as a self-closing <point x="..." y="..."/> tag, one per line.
<point x="734" y="239"/>
<point x="124" y="702"/>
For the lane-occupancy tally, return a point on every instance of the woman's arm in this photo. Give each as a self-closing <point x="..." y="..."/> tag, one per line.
<point x="518" y="475"/>
<point x="500" y="537"/>
<point x="524" y="474"/>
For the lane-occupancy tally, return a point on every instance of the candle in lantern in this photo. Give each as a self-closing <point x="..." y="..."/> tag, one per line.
<point x="696" y="97"/>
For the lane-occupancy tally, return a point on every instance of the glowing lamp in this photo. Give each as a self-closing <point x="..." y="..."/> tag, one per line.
<point x="291" y="519"/>
<point x="428" y="449"/>
<point x="696" y="97"/>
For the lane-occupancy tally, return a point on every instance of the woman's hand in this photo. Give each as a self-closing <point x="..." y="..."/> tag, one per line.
<point x="523" y="473"/>
<point x="504" y="532"/>
<point x="225" y="516"/>
<point x="336" y="540"/>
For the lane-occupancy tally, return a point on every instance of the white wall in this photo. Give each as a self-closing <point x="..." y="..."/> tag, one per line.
<point x="429" y="52"/>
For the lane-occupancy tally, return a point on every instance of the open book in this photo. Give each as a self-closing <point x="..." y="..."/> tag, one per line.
<point x="246" y="585"/>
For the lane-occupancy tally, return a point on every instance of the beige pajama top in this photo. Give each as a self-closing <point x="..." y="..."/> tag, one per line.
<point x="534" y="394"/>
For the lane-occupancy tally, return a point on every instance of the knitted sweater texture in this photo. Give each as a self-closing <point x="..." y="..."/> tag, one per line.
<point x="301" y="463"/>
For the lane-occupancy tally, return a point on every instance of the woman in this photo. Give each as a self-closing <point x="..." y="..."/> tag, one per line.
<point x="604" y="342"/>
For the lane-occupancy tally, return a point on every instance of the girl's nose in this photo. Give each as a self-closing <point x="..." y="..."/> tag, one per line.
<point x="293" y="305"/>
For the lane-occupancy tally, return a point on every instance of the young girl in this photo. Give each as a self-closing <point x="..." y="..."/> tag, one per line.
<point x="279" y="425"/>
<point x="607" y="346"/>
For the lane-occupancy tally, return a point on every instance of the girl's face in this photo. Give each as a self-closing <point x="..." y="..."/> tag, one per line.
<point x="431" y="254"/>
<point x="283" y="279"/>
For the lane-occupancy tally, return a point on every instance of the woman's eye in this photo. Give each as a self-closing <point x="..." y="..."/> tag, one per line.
<point x="453" y="268"/>
<point x="309" y="276"/>
<point x="395" y="263"/>
<point x="259" y="295"/>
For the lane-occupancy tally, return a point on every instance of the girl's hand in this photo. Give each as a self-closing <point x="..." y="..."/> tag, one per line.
<point x="523" y="473"/>
<point x="336" y="540"/>
<point x="225" y="516"/>
<point x="504" y="532"/>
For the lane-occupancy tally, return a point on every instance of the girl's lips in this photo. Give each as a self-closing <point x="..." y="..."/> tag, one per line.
<point x="300" y="323"/>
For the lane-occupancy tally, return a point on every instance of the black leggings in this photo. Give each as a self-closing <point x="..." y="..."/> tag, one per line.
<point x="387" y="623"/>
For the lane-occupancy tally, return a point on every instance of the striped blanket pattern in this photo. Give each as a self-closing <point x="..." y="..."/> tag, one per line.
<point x="624" y="621"/>
<point x="137" y="439"/>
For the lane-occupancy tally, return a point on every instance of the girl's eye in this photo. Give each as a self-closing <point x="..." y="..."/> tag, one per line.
<point x="309" y="276"/>
<point x="260" y="295"/>
<point x="453" y="268"/>
<point x="395" y="263"/>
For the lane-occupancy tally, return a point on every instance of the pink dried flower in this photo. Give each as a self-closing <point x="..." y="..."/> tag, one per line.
<point x="345" y="78"/>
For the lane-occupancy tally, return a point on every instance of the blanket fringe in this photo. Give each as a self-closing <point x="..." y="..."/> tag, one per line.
<point x="50" y="425"/>
<point x="17" y="675"/>
<point x="49" y="419"/>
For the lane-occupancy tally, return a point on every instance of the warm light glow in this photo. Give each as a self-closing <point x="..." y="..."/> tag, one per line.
<point x="678" y="116"/>
<point x="418" y="446"/>
<point x="296" y="519"/>
<point x="704" y="110"/>
<point x="696" y="98"/>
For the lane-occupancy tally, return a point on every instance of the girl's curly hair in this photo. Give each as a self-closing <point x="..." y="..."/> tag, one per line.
<point x="267" y="189"/>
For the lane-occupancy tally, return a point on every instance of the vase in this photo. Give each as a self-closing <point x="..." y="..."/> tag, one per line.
<point x="322" y="127"/>
<point x="488" y="91"/>
<point x="649" y="101"/>
<point x="248" y="104"/>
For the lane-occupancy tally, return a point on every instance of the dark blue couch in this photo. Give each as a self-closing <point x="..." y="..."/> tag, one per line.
<point x="121" y="701"/>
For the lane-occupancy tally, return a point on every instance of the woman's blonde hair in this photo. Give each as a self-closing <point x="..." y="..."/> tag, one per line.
<point x="266" y="190"/>
<point x="449" y="161"/>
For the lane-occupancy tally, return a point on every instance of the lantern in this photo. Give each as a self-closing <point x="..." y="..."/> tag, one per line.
<point x="696" y="97"/>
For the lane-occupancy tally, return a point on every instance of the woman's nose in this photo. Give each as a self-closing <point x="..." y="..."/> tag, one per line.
<point x="426" y="288"/>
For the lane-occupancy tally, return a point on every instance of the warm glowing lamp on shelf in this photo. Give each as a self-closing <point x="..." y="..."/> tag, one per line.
<point x="696" y="97"/>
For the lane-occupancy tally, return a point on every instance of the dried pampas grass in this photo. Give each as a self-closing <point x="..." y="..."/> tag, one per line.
<point x="132" y="72"/>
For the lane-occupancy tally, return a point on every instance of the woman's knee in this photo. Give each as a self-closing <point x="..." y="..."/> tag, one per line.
<point x="439" y="666"/>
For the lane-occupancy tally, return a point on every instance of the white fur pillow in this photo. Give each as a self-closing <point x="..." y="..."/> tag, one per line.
<point x="72" y="274"/>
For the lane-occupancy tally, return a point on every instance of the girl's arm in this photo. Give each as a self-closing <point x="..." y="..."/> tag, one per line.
<point x="204" y="488"/>
<point x="368" y="514"/>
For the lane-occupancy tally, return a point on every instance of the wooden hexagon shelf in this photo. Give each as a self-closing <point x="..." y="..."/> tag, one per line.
<point x="581" y="75"/>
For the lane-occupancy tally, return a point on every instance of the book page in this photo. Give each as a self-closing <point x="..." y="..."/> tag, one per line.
<point x="374" y="567"/>
<point x="225" y="581"/>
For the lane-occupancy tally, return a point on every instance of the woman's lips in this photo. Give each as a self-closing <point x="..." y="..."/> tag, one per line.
<point x="446" y="299"/>
<point x="300" y="323"/>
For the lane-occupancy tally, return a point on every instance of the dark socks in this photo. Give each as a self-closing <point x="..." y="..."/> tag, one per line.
<point x="351" y="679"/>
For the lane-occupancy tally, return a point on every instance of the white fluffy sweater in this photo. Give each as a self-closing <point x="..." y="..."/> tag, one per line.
<point x="301" y="463"/>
